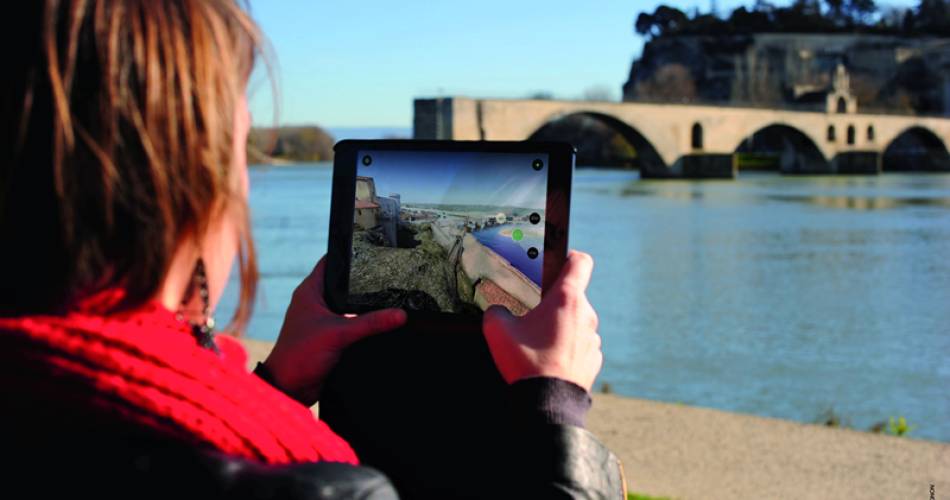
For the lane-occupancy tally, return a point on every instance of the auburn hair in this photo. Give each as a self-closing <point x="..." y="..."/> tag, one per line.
<point x="117" y="126"/>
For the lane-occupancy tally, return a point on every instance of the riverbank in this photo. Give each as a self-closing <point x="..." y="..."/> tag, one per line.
<point x="685" y="452"/>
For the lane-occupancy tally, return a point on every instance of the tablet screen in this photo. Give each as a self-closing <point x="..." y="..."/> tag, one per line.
<point x="448" y="231"/>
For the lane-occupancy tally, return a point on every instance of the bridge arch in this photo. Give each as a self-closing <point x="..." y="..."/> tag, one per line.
<point x="782" y="147"/>
<point x="916" y="149"/>
<point x="582" y="129"/>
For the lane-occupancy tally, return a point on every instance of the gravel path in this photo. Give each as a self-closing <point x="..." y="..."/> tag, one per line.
<point x="689" y="452"/>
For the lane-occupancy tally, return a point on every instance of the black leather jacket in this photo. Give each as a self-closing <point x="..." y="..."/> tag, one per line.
<point x="62" y="453"/>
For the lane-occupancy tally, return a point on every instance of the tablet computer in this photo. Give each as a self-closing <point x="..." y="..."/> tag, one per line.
<point x="446" y="228"/>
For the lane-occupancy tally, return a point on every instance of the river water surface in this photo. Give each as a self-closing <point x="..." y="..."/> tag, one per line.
<point x="770" y="295"/>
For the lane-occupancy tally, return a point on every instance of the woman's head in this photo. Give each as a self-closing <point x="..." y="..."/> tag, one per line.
<point x="123" y="149"/>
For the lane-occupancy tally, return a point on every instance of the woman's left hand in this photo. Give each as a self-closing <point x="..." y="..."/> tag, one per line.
<point x="313" y="338"/>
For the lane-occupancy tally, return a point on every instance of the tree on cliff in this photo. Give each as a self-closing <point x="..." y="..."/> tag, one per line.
<point x="850" y="13"/>
<point x="664" y="20"/>
<point x="703" y="58"/>
<point x="931" y="17"/>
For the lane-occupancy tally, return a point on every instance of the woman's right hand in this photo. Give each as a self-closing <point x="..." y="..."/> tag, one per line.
<point x="558" y="338"/>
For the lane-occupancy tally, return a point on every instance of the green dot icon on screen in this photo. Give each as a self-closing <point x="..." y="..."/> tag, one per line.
<point x="517" y="235"/>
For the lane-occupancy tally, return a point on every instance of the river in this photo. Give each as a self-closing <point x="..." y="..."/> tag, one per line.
<point x="776" y="296"/>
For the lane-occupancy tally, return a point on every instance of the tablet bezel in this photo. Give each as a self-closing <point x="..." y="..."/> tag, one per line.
<point x="561" y="158"/>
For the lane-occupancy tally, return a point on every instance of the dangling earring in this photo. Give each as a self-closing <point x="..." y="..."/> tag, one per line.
<point x="204" y="329"/>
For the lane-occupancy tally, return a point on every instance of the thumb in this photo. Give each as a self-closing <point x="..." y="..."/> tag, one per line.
<point x="372" y="323"/>
<point x="577" y="271"/>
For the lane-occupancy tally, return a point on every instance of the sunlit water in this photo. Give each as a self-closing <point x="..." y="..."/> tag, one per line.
<point x="770" y="295"/>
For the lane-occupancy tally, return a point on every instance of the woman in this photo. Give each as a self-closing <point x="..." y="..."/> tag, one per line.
<point x="123" y="205"/>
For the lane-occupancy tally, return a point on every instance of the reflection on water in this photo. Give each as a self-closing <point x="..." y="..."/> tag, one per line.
<point x="771" y="295"/>
<point x="862" y="202"/>
<point x="859" y="199"/>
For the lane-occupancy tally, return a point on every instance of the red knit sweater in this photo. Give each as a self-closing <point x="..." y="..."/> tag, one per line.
<point x="146" y="366"/>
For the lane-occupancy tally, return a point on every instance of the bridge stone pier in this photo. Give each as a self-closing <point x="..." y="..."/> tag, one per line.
<point x="695" y="141"/>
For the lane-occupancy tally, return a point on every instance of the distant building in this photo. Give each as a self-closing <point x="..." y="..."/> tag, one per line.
<point x="366" y="214"/>
<point x="389" y="205"/>
<point x="372" y="211"/>
<point x="365" y="188"/>
<point x="836" y="98"/>
<point x="366" y="210"/>
<point x="840" y="99"/>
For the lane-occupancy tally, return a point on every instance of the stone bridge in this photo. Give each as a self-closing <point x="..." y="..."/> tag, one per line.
<point x="680" y="140"/>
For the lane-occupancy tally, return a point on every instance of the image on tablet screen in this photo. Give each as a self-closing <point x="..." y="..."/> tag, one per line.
<point x="450" y="232"/>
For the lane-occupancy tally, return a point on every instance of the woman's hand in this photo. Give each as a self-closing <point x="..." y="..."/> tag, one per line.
<point x="313" y="337"/>
<point x="558" y="338"/>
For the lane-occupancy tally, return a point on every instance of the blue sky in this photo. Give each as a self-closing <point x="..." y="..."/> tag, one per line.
<point x="463" y="179"/>
<point x="361" y="63"/>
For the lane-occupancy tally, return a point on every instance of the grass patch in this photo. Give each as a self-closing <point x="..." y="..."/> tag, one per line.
<point x="893" y="426"/>
<point x="641" y="496"/>
<point x="899" y="427"/>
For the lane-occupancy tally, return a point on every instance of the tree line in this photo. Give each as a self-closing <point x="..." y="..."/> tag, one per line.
<point x="294" y="144"/>
<point x="929" y="18"/>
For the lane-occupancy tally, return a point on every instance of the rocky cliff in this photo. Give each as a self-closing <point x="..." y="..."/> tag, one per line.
<point x="888" y="73"/>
